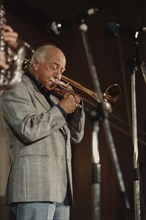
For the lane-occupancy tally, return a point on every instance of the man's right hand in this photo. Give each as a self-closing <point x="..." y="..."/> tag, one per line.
<point x="69" y="103"/>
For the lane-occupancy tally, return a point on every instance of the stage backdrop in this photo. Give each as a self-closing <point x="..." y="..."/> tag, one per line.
<point x="113" y="60"/>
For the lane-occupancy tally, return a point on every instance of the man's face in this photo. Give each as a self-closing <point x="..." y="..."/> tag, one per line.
<point x="51" y="69"/>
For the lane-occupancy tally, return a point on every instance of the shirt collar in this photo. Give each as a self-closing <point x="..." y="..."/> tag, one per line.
<point x="40" y="87"/>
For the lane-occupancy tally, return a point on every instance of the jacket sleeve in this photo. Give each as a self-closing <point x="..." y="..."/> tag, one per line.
<point x="76" y="125"/>
<point x="27" y="117"/>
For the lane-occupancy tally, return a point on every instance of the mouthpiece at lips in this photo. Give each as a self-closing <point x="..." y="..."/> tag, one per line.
<point x="52" y="84"/>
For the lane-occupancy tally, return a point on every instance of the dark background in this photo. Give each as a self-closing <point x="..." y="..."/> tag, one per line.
<point x="113" y="58"/>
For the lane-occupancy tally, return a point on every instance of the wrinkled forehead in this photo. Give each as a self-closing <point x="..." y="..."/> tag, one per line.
<point x="55" y="55"/>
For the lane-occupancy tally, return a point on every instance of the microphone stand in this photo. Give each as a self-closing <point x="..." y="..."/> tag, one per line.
<point x="137" y="62"/>
<point x="101" y="113"/>
<point x="96" y="166"/>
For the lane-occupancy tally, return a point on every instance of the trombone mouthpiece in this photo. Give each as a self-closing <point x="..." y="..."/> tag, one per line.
<point x="54" y="81"/>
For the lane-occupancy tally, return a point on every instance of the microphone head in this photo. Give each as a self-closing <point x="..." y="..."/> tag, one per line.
<point x="55" y="27"/>
<point x="52" y="29"/>
<point x="112" y="28"/>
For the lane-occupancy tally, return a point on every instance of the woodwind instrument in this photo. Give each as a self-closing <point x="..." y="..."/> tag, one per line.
<point x="14" y="59"/>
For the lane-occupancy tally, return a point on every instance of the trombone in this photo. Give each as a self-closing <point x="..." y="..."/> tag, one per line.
<point x="111" y="95"/>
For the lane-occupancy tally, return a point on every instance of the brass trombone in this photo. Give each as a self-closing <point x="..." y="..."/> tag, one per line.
<point x="111" y="95"/>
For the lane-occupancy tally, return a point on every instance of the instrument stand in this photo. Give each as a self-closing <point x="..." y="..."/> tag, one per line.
<point x="96" y="116"/>
<point x="96" y="166"/>
<point x="137" y="62"/>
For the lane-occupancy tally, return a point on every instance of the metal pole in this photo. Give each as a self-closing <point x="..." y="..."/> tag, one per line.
<point x="135" y="153"/>
<point x="134" y="132"/>
<point x="94" y="75"/>
<point x="96" y="171"/>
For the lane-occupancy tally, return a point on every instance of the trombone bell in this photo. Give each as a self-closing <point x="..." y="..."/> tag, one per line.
<point x="111" y="96"/>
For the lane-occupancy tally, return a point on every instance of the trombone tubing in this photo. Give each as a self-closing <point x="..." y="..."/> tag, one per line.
<point x="79" y="86"/>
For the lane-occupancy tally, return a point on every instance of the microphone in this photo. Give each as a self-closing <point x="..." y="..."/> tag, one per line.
<point x="114" y="29"/>
<point x="56" y="27"/>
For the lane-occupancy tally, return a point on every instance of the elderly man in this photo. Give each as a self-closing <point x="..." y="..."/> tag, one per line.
<point x="41" y="129"/>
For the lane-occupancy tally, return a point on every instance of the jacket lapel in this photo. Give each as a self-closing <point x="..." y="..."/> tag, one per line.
<point x="33" y="88"/>
<point x="40" y="97"/>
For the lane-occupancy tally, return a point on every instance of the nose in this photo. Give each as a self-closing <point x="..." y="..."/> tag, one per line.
<point x="58" y="72"/>
<point x="57" y="75"/>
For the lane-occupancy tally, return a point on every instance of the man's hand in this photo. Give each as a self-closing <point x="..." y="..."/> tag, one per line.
<point x="69" y="103"/>
<point x="10" y="36"/>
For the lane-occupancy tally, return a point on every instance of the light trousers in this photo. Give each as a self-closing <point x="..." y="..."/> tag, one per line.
<point x="41" y="211"/>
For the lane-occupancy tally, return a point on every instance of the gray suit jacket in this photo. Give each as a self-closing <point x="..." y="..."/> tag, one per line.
<point x="40" y="145"/>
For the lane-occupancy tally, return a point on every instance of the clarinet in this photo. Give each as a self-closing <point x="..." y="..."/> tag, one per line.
<point x="13" y="75"/>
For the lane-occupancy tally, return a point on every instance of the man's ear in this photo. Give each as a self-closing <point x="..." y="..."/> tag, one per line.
<point x="35" y="64"/>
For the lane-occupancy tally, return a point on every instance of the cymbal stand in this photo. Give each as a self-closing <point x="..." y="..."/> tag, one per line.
<point x="102" y="114"/>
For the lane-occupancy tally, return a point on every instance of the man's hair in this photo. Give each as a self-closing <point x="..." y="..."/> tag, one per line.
<point x="40" y="52"/>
